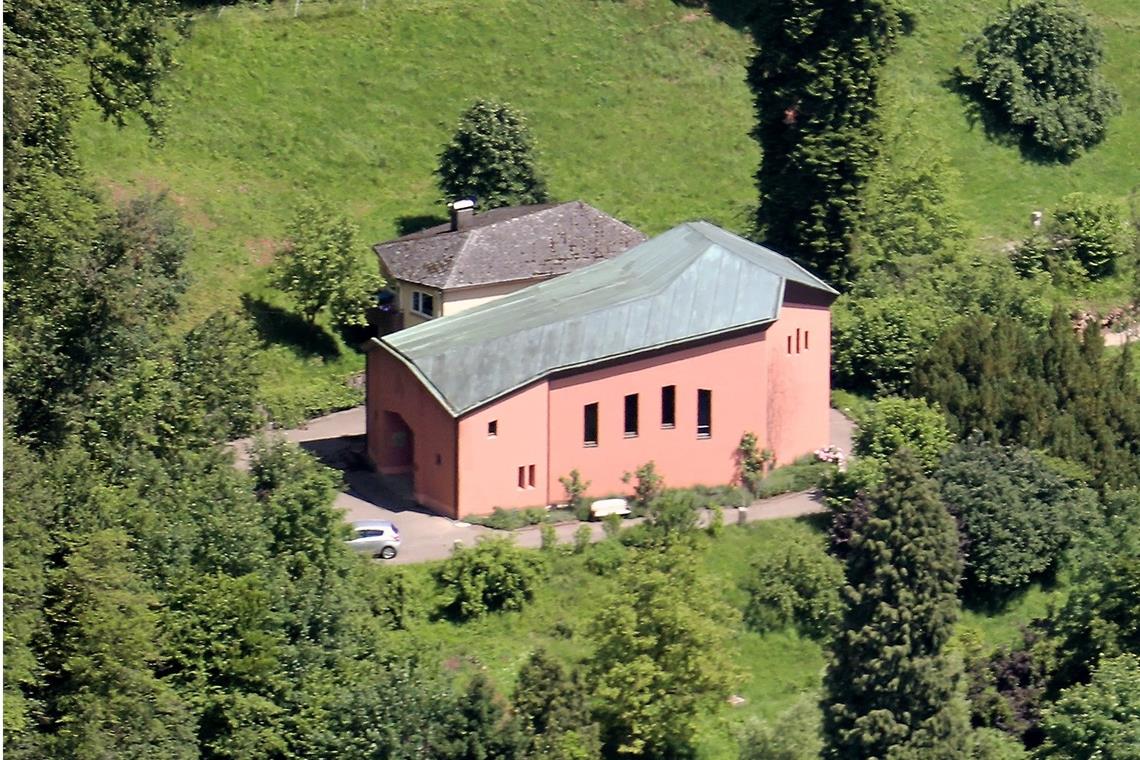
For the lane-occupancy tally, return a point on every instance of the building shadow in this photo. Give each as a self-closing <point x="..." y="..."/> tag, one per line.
<point x="349" y="455"/>
<point x="406" y="225"/>
<point x="279" y="326"/>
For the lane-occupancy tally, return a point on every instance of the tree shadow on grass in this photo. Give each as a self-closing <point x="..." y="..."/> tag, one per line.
<point x="995" y="123"/>
<point x="995" y="602"/>
<point x="406" y="225"/>
<point x="279" y="326"/>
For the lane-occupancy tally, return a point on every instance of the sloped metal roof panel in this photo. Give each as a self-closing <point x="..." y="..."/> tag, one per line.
<point x="692" y="281"/>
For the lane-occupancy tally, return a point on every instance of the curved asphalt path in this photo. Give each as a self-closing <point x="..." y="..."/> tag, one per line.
<point x="338" y="440"/>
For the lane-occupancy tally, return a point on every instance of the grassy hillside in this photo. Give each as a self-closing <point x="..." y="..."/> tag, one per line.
<point x="638" y="107"/>
<point x="999" y="187"/>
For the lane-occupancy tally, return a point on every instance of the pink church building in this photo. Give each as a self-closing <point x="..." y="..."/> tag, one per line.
<point x="669" y="352"/>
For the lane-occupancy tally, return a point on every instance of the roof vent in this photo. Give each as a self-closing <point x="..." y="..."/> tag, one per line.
<point x="461" y="213"/>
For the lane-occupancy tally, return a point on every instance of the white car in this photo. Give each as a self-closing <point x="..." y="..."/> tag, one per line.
<point x="377" y="538"/>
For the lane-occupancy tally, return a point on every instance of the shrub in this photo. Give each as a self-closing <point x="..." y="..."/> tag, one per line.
<point x="1016" y="515"/>
<point x="806" y="472"/>
<point x="895" y="423"/>
<point x="1084" y="238"/>
<point x="575" y="494"/>
<point x="611" y="525"/>
<point x="511" y="519"/>
<point x="582" y="538"/>
<point x="493" y="575"/>
<point x="648" y="487"/>
<point x="606" y="557"/>
<point x="1100" y="719"/>
<point x="1038" y="66"/>
<point x="876" y="339"/>
<point x="549" y="538"/>
<point x="716" y="522"/>
<point x="751" y="462"/>
<point x="797" y="584"/>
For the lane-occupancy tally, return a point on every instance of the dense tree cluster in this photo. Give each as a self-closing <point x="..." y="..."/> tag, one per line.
<point x="815" y="80"/>
<point x="1050" y="389"/>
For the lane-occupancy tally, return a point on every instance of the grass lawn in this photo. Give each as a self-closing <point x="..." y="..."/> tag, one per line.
<point x="782" y="669"/>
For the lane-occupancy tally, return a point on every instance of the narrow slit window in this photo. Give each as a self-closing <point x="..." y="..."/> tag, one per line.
<point x="805" y="340"/>
<point x="492" y="428"/>
<point x="522" y="476"/>
<point x="530" y="476"/>
<point x="789" y="344"/>
<point x="590" y="426"/>
<point x="797" y="340"/>
<point x="631" y="415"/>
<point x="668" y="406"/>
<point x="704" y="413"/>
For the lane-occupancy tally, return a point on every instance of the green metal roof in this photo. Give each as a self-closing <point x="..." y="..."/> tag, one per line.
<point x="691" y="282"/>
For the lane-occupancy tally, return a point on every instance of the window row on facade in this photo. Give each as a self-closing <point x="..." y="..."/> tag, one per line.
<point x="801" y="341"/>
<point x="632" y="415"/>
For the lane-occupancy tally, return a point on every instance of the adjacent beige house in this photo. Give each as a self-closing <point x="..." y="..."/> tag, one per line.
<point x="477" y="258"/>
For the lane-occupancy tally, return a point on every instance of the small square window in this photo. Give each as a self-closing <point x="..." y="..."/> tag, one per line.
<point x="492" y="428"/>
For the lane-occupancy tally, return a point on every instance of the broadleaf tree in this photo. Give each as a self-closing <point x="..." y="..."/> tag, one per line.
<point x="491" y="159"/>
<point x="319" y="267"/>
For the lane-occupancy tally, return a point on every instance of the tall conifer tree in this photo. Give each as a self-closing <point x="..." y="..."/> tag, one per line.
<point x="890" y="688"/>
<point x="815" y="79"/>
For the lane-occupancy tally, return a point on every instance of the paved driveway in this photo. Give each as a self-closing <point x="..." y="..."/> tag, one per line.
<point x="338" y="440"/>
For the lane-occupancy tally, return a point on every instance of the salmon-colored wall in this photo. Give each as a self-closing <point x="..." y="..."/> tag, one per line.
<point x="799" y="381"/>
<point x="732" y="369"/>
<point x="757" y="386"/>
<point x="392" y="387"/>
<point x="489" y="467"/>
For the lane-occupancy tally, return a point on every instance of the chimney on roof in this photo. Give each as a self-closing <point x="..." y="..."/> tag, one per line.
<point x="461" y="213"/>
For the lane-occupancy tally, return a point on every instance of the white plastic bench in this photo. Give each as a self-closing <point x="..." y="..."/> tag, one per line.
<point x="604" y="507"/>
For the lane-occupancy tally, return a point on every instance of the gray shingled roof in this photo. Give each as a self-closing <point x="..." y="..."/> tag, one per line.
<point x="507" y="244"/>
<point x="693" y="281"/>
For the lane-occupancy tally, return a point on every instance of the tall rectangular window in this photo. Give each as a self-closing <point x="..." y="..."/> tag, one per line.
<point x="530" y="476"/>
<point x="797" y="340"/>
<point x="631" y="415"/>
<point x="704" y="413"/>
<point x="590" y="427"/>
<point x="492" y="428"/>
<point x="522" y="476"/>
<point x="789" y="344"/>
<point x="668" y="406"/>
<point x="805" y="340"/>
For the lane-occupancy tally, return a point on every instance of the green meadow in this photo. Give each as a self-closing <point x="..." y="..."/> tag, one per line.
<point x="638" y="107"/>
